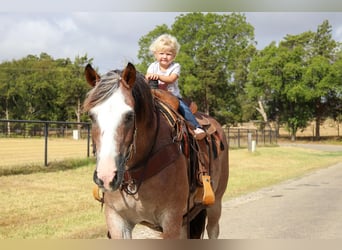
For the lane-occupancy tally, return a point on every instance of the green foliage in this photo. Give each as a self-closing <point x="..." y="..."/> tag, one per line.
<point x="298" y="79"/>
<point x="214" y="55"/>
<point x="42" y="88"/>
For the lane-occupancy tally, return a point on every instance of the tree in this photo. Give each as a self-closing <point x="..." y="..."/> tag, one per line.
<point x="276" y="79"/>
<point x="324" y="55"/>
<point x="72" y="88"/>
<point x="42" y="88"/>
<point x="214" y="55"/>
<point x="333" y="98"/>
<point x="297" y="78"/>
<point x="8" y="93"/>
<point x="265" y="82"/>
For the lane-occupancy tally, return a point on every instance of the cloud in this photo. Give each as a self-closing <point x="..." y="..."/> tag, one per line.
<point x="27" y="36"/>
<point x="338" y="33"/>
<point x="33" y="34"/>
<point x="274" y="26"/>
<point x="111" y="38"/>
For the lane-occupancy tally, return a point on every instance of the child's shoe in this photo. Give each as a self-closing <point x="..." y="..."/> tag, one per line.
<point x="199" y="133"/>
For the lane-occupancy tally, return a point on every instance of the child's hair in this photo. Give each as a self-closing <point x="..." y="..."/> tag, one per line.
<point x="165" y="42"/>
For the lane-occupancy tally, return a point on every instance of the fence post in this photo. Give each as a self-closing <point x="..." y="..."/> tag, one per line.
<point x="88" y="140"/>
<point x="46" y="133"/>
<point x="256" y="136"/>
<point x="249" y="140"/>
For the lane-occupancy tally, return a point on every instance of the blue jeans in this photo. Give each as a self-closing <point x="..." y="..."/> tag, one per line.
<point x="185" y="111"/>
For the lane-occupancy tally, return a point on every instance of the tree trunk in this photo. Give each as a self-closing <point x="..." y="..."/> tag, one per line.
<point x="293" y="133"/>
<point x="7" y="118"/>
<point x="293" y="137"/>
<point x="261" y="110"/>
<point x="317" y="132"/>
<point x="78" y="115"/>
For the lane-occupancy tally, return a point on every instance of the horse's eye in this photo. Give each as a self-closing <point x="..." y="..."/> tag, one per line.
<point x="92" y="117"/>
<point x="129" y="117"/>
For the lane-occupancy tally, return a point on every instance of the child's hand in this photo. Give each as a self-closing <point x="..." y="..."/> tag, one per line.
<point x="150" y="76"/>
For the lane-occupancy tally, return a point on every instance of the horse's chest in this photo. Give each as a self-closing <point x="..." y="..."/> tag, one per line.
<point x="132" y="207"/>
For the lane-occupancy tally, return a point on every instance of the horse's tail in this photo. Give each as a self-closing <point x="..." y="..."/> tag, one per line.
<point x="197" y="225"/>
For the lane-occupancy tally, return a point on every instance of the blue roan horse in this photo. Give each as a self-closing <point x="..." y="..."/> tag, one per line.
<point x="141" y="169"/>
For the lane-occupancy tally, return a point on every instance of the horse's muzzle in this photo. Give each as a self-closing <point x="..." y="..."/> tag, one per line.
<point x="117" y="179"/>
<point x="113" y="185"/>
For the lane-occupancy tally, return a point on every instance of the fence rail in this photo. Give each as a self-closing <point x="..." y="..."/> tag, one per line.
<point x="46" y="130"/>
<point x="239" y="137"/>
<point x="57" y="140"/>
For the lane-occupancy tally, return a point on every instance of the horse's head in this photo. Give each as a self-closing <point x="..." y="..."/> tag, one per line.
<point x="113" y="106"/>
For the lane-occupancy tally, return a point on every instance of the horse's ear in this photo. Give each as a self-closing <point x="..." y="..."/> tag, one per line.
<point x="129" y="75"/>
<point x="91" y="76"/>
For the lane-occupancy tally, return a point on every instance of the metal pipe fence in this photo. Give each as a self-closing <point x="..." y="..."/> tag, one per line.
<point x="48" y="141"/>
<point x="239" y="137"/>
<point x="46" y="130"/>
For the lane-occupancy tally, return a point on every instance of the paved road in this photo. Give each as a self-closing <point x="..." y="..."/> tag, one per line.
<point x="305" y="208"/>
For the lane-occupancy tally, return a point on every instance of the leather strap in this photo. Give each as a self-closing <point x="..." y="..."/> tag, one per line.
<point x="159" y="160"/>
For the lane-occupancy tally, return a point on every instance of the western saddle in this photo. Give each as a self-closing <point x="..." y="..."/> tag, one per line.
<point x="200" y="152"/>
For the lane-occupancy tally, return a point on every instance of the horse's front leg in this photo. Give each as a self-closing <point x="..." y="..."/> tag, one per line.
<point x="172" y="227"/>
<point x="118" y="228"/>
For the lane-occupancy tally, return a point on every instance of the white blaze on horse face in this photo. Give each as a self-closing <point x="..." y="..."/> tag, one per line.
<point x="109" y="115"/>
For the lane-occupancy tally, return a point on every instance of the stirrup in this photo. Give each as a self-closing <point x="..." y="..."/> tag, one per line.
<point x="205" y="194"/>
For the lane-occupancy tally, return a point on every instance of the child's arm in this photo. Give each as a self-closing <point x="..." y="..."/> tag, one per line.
<point x="166" y="79"/>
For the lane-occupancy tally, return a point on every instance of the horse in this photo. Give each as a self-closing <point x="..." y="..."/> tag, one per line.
<point x="140" y="167"/>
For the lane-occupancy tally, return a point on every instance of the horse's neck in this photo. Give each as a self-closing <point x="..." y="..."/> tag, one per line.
<point x="145" y="140"/>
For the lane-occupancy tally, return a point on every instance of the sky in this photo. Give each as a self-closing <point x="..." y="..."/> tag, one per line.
<point x="111" y="38"/>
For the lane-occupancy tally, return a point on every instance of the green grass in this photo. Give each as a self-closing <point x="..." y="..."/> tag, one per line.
<point x="268" y="166"/>
<point x="58" y="204"/>
<point x="52" y="167"/>
<point x="50" y="205"/>
<point x="30" y="151"/>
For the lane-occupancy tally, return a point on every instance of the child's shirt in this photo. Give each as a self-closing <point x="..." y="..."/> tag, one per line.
<point x="174" y="68"/>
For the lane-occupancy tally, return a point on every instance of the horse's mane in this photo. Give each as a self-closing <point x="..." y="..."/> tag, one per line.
<point x="109" y="83"/>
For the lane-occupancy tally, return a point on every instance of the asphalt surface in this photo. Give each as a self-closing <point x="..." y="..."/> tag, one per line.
<point x="305" y="208"/>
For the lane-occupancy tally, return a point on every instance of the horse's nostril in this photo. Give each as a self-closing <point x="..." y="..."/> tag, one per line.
<point x="116" y="182"/>
<point x="96" y="179"/>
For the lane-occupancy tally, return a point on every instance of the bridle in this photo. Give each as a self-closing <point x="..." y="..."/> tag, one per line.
<point x="130" y="185"/>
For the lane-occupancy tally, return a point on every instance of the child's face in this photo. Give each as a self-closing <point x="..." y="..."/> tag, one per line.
<point x="164" y="57"/>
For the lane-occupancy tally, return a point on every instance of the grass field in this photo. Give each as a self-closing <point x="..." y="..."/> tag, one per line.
<point x="58" y="204"/>
<point x="28" y="152"/>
